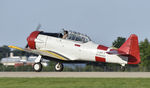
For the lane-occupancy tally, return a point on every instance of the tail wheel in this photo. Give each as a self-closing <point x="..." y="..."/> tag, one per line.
<point x="59" y="67"/>
<point x="37" y="67"/>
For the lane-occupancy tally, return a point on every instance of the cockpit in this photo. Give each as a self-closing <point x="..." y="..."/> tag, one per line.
<point x="71" y="35"/>
<point x="76" y="36"/>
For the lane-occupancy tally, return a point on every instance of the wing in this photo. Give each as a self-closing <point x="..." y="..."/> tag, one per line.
<point x="41" y="52"/>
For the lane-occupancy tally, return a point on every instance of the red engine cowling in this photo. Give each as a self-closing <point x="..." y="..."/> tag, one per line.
<point x="31" y="39"/>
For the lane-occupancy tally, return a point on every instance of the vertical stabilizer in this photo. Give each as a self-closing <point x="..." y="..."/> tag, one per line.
<point x="131" y="49"/>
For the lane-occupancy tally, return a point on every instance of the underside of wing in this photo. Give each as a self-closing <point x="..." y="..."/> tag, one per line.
<point x="41" y="52"/>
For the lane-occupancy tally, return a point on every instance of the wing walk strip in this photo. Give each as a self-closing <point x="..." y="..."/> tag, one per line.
<point x="49" y="52"/>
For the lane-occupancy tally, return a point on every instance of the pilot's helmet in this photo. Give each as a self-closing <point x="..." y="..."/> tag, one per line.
<point x="65" y="32"/>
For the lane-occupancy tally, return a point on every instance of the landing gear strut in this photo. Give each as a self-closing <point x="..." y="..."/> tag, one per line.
<point x="59" y="67"/>
<point x="37" y="65"/>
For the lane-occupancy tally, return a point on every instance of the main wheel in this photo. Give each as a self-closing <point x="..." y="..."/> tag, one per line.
<point x="123" y="68"/>
<point x="59" y="67"/>
<point x="37" y="67"/>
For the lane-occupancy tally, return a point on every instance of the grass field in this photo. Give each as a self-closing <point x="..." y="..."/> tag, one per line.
<point x="74" y="82"/>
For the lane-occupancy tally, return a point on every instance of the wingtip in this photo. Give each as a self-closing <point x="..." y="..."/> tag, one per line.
<point x="10" y="46"/>
<point x="14" y="47"/>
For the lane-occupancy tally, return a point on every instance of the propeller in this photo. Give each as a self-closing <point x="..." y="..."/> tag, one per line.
<point x="37" y="29"/>
<point x="26" y="45"/>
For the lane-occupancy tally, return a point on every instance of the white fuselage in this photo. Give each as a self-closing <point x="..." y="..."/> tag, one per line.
<point x="75" y="50"/>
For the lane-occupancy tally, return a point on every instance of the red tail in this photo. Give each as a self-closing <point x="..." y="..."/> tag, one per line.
<point x="131" y="48"/>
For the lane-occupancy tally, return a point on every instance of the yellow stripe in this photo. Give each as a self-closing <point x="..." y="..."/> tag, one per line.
<point x="54" y="54"/>
<point x="16" y="48"/>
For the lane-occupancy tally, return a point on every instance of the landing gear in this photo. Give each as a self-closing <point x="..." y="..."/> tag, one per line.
<point x="123" y="67"/>
<point x="38" y="66"/>
<point x="59" y="67"/>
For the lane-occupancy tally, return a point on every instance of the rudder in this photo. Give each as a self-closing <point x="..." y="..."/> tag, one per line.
<point x="131" y="49"/>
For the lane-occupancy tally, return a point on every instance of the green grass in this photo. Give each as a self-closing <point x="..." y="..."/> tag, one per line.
<point x="74" y="82"/>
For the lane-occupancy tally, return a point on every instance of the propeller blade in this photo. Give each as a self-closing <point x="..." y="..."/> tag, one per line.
<point x="38" y="27"/>
<point x="27" y="46"/>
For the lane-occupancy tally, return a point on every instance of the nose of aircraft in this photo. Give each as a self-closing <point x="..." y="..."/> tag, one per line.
<point x="31" y="39"/>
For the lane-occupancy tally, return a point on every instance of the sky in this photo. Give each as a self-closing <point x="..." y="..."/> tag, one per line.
<point x="102" y="20"/>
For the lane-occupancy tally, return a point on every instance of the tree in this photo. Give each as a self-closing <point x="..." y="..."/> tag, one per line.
<point x="145" y="53"/>
<point x="118" y="42"/>
<point x="4" y="51"/>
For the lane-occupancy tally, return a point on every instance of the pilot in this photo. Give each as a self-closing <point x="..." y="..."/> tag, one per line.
<point x="65" y="34"/>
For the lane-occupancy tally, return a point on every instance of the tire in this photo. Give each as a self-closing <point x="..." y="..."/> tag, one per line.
<point x="59" y="67"/>
<point x="37" y="67"/>
<point x="123" y="68"/>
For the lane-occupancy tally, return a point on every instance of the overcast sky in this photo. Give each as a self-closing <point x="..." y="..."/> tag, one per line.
<point x="102" y="20"/>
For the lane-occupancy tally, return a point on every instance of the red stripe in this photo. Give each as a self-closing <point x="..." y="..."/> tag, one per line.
<point x="77" y="45"/>
<point x="100" y="59"/>
<point x="101" y="47"/>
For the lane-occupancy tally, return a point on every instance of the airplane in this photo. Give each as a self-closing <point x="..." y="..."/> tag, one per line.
<point x="71" y="46"/>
